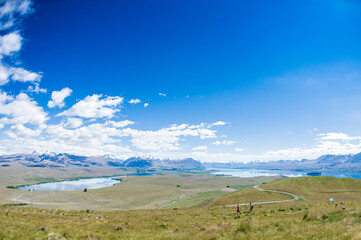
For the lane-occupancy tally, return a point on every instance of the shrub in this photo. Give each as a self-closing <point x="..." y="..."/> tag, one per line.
<point x="305" y="216"/>
<point x="243" y="227"/>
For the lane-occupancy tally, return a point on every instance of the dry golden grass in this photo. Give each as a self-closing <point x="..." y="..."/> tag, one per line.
<point x="295" y="220"/>
<point x="309" y="218"/>
<point x="173" y="189"/>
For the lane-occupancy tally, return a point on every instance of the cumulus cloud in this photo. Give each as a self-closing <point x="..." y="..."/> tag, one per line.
<point x="17" y="74"/>
<point x="21" y="110"/>
<point x="36" y="89"/>
<point x="20" y="130"/>
<point x="10" y="43"/>
<point x="329" y="143"/>
<point x="119" y="124"/>
<point x="146" y="104"/>
<point x="95" y="107"/>
<point x="219" y="123"/>
<point x="4" y="75"/>
<point x="57" y="97"/>
<point x="224" y="142"/>
<point x="337" y="136"/>
<point x="239" y="149"/>
<point x="135" y="101"/>
<point x="9" y="9"/>
<point x="200" y="148"/>
<point x="23" y="75"/>
<point x="162" y="94"/>
<point x="167" y="138"/>
<point x="28" y="145"/>
<point x="73" y="122"/>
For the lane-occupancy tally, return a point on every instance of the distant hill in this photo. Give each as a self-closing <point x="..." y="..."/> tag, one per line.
<point x="319" y="188"/>
<point x="307" y="188"/>
<point x="66" y="160"/>
<point x="325" y="162"/>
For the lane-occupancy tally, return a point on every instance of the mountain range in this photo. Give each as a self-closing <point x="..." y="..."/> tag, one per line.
<point x="351" y="162"/>
<point x="67" y="160"/>
<point x="331" y="162"/>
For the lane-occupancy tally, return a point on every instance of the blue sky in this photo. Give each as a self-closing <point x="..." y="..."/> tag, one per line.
<point x="212" y="80"/>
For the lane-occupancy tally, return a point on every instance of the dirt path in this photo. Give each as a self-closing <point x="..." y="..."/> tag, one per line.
<point x="16" y="199"/>
<point x="295" y="198"/>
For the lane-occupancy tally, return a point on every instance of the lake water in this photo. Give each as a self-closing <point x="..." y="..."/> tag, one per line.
<point x="248" y="173"/>
<point x="89" y="183"/>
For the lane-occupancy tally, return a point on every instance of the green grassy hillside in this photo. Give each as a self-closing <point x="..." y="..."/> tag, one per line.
<point x="319" y="188"/>
<point x="248" y="195"/>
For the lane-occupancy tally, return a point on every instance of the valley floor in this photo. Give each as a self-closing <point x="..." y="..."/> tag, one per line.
<point x="167" y="190"/>
<point x="181" y="205"/>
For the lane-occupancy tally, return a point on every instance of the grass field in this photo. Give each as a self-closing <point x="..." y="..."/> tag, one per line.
<point x="320" y="188"/>
<point x="171" y="189"/>
<point x="162" y="208"/>
<point x="304" y="219"/>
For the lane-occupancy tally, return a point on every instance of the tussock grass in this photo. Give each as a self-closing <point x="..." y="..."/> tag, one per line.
<point x="294" y="220"/>
<point x="312" y="218"/>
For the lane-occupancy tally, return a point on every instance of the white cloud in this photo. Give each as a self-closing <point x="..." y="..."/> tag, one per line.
<point x="94" y="107"/>
<point x="21" y="110"/>
<point x="200" y="148"/>
<point x="239" y="149"/>
<point x="329" y="143"/>
<point x="57" y="97"/>
<point x="17" y="74"/>
<point x="9" y="10"/>
<point x="28" y="145"/>
<point x="120" y="124"/>
<point x="20" y="130"/>
<point x="4" y="75"/>
<point x="135" y="101"/>
<point x="219" y="123"/>
<point x="35" y="89"/>
<point x="224" y="142"/>
<point x="146" y="104"/>
<point x="10" y="43"/>
<point x="23" y="75"/>
<point x="73" y="122"/>
<point x="167" y="138"/>
<point x="162" y="94"/>
<point x="337" y="136"/>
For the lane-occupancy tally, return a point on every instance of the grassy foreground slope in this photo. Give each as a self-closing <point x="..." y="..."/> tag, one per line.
<point x="307" y="219"/>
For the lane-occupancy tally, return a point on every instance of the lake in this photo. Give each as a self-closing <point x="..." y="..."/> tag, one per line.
<point x="248" y="173"/>
<point x="88" y="183"/>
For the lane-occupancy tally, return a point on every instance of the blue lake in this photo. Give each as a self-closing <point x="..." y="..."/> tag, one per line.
<point x="81" y="184"/>
<point x="248" y="173"/>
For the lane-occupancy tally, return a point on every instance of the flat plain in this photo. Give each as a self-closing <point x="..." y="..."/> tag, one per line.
<point x="306" y="218"/>
<point x="166" y="190"/>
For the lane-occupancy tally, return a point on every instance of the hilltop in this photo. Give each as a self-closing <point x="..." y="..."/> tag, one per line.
<point x="307" y="188"/>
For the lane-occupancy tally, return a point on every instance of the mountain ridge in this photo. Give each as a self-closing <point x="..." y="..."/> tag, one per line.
<point x="324" y="162"/>
<point x="66" y="160"/>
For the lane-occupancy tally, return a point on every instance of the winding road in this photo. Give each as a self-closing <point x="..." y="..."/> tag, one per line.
<point x="295" y="197"/>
